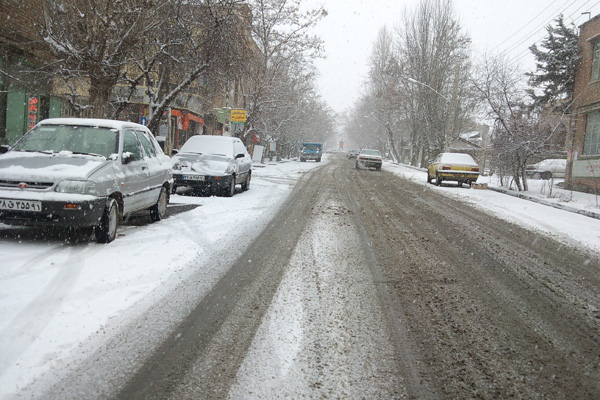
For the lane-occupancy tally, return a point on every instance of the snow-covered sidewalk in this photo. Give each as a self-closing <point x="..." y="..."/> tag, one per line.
<point x="59" y="300"/>
<point x="553" y="211"/>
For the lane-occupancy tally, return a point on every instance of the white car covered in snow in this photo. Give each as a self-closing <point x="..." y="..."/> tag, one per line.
<point x="212" y="164"/>
<point x="85" y="174"/>
<point x="547" y="169"/>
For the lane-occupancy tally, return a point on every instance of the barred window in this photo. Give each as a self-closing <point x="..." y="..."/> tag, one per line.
<point x="592" y="134"/>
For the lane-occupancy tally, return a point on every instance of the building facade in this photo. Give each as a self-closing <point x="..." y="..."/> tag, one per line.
<point x="25" y="97"/>
<point x="583" y="141"/>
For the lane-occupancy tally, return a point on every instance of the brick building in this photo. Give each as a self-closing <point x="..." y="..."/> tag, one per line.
<point x="583" y="143"/>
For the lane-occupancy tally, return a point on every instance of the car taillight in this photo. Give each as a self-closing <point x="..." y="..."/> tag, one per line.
<point x="446" y="167"/>
<point x="475" y="169"/>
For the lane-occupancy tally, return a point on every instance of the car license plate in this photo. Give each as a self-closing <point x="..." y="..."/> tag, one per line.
<point x="193" y="177"/>
<point x="20" y="205"/>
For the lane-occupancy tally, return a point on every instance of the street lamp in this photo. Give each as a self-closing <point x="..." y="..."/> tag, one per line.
<point x="411" y="80"/>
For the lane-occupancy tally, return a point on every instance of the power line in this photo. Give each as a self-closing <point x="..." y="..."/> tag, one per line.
<point x="536" y="30"/>
<point x="523" y="27"/>
<point x="524" y="52"/>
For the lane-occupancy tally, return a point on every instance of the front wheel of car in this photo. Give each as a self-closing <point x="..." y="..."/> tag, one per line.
<point x="546" y="175"/>
<point x="106" y="232"/>
<point x="229" y="191"/>
<point x="159" y="210"/>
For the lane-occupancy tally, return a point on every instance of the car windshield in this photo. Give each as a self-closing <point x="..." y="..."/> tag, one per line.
<point x="311" y="148"/>
<point x="208" y="145"/>
<point x="371" y="152"/>
<point x="70" y="138"/>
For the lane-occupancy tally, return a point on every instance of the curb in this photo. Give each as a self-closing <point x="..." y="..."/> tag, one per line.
<point x="559" y="206"/>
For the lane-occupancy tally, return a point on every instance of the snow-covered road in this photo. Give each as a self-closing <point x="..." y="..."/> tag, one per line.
<point x="60" y="302"/>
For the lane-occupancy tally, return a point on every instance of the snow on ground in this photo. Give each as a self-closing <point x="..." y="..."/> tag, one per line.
<point x="564" y="226"/>
<point x="54" y="296"/>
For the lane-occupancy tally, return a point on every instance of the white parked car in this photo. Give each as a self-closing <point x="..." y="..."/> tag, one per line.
<point x="547" y="169"/>
<point x="212" y="164"/>
<point x="85" y="174"/>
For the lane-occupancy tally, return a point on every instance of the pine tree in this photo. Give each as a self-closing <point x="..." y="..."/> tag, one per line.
<point x="556" y="60"/>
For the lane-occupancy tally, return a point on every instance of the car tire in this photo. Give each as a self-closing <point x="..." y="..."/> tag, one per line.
<point x="229" y="191"/>
<point x="159" y="210"/>
<point x="106" y="232"/>
<point x="246" y="184"/>
<point x="546" y="175"/>
<point x="438" y="180"/>
<point x="428" y="178"/>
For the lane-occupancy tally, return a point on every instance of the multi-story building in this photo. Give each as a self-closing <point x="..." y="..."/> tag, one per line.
<point x="583" y="142"/>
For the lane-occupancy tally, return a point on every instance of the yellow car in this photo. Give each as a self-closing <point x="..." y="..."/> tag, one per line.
<point x="458" y="167"/>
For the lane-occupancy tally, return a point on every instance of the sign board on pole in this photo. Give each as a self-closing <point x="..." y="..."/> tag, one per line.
<point x="238" y="115"/>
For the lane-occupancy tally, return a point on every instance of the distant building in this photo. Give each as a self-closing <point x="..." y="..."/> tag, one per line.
<point x="583" y="142"/>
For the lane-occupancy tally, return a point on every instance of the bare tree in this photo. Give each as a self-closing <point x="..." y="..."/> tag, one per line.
<point x="106" y="50"/>
<point x="518" y="132"/>
<point x="384" y="90"/>
<point x="282" y="33"/>
<point x="93" y="42"/>
<point x="434" y="59"/>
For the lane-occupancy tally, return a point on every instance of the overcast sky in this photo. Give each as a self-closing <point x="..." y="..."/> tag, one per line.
<point x="352" y="26"/>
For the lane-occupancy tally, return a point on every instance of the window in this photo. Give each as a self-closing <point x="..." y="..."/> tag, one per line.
<point x="146" y="144"/>
<point x="592" y="134"/>
<point x="596" y="62"/>
<point x="131" y="145"/>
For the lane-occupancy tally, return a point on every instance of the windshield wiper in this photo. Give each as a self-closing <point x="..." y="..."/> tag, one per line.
<point x="87" y="154"/>
<point x="36" y="151"/>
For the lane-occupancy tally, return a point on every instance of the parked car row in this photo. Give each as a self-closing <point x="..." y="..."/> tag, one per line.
<point x="86" y="174"/>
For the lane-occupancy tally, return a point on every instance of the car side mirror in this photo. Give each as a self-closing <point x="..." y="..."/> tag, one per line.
<point x="174" y="151"/>
<point x="4" y="148"/>
<point x="127" y="157"/>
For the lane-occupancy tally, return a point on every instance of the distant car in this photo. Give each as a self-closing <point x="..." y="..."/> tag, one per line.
<point x="368" y="158"/>
<point x="212" y="164"/>
<point x="84" y="174"/>
<point x="457" y="167"/>
<point x="547" y="169"/>
<point x="352" y="154"/>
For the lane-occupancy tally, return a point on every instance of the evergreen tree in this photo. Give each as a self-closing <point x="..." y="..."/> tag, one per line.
<point x="556" y="60"/>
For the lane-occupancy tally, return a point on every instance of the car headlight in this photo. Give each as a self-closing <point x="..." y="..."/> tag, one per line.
<point x="78" y="187"/>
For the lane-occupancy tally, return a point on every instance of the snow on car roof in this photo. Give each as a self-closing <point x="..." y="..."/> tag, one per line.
<point x="457" y="158"/>
<point x="209" y="144"/>
<point x="107" y="123"/>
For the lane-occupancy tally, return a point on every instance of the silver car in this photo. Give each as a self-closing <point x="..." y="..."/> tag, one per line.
<point x="83" y="173"/>
<point x="212" y="164"/>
